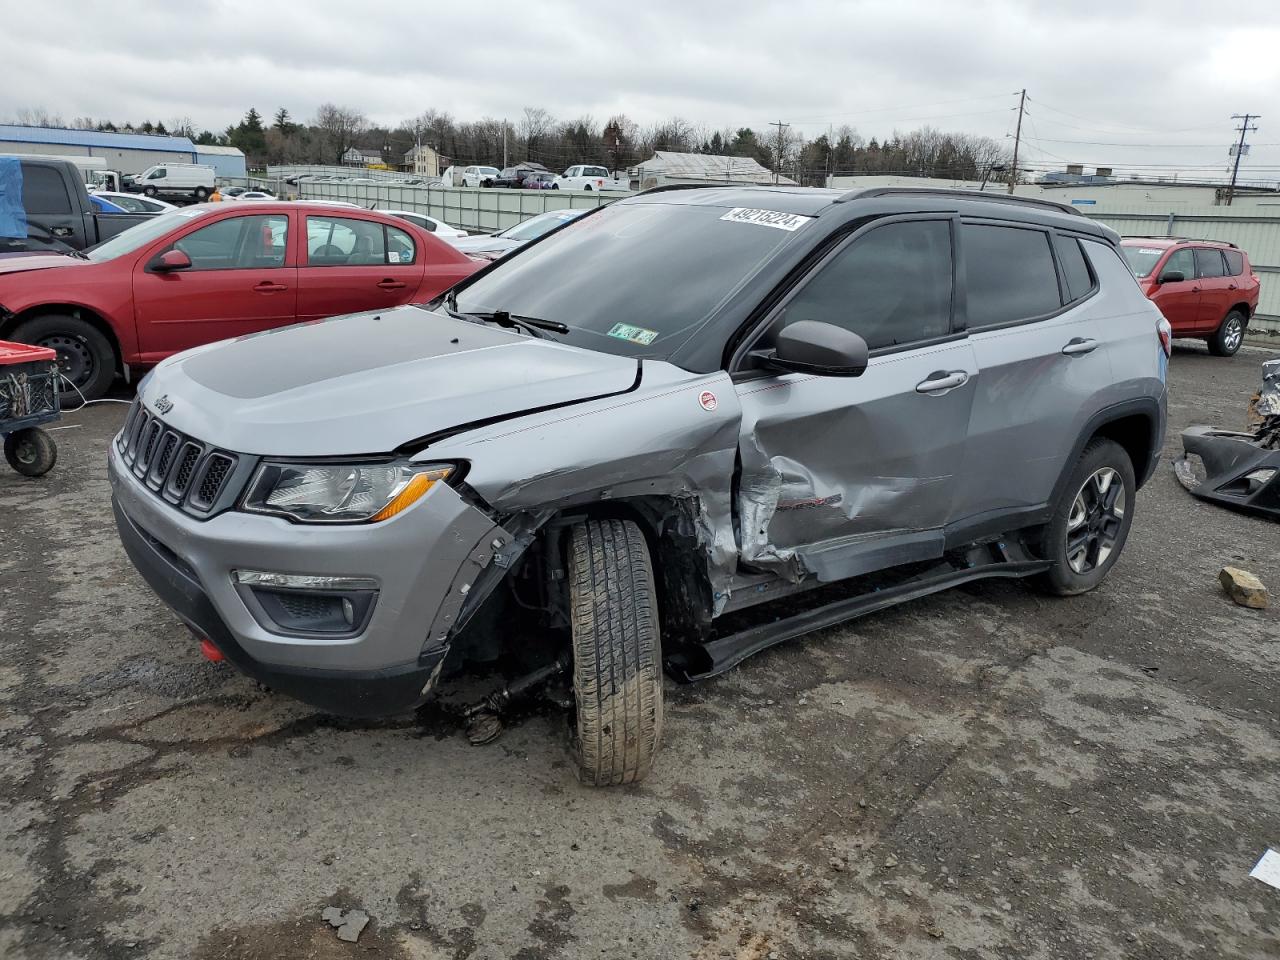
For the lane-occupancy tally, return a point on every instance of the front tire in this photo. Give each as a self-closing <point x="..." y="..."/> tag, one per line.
<point x="1090" y="523"/>
<point x="149" y="191"/>
<point x="617" y="660"/>
<point x="85" y="357"/>
<point x="31" y="451"/>
<point x="1226" y="341"/>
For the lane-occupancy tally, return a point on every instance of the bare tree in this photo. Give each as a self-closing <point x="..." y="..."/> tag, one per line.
<point x="339" y="127"/>
<point x="534" y="127"/>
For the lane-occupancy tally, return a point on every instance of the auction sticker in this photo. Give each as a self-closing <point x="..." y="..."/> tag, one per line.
<point x="624" y="331"/>
<point x="767" y="218"/>
<point x="708" y="400"/>
<point x="1150" y="250"/>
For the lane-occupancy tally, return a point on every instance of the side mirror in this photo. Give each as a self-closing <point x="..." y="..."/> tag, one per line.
<point x="171" y="260"/>
<point x="1171" y="276"/>
<point x="812" y="346"/>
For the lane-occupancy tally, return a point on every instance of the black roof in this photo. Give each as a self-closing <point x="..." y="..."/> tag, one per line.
<point x="813" y="201"/>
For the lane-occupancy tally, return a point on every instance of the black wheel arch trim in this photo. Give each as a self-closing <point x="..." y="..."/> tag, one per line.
<point x="1148" y="407"/>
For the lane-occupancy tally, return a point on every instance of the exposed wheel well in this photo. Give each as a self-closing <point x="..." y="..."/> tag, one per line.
<point x="11" y="322"/>
<point x="1133" y="433"/>
<point x="1242" y="308"/>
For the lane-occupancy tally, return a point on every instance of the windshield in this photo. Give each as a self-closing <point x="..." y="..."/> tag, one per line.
<point x="535" y="227"/>
<point x="633" y="278"/>
<point x="130" y="240"/>
<point x="1142" y="260"/>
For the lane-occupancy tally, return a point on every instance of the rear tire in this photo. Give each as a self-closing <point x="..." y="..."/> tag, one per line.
<point x="1090" y="522"/>
<point x="1229" y="336"/>
<point x="201" y="194"/>
<point x="617" y="665"/>
<point x="31" y="452"/>
<point x="85" y="356"/>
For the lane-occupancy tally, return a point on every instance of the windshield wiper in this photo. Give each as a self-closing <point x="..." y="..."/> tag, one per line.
<point x="503" y="318"/>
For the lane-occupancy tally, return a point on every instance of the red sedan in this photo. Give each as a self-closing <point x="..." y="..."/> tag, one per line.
<point x="212" y="271"/>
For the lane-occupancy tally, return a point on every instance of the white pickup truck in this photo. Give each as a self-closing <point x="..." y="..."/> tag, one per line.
<point x="586" y="177"/>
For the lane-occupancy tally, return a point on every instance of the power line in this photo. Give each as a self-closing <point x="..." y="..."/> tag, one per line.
<point x="914" y="106"/>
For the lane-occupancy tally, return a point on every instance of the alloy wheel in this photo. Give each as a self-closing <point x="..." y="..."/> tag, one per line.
<point x="1233" y="334"/>
<point x="1095" y="520"/>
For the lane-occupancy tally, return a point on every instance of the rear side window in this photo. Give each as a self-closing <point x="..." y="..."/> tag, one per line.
<point x="1235" y="262"/>
<point x="1209" y="263"/>
<point x="891" y="286"/>
<point x="43" y="191"/>
<point x="1009" y="274"/>
<point x="1074" y="268"/>
<point x="400" y="248"/>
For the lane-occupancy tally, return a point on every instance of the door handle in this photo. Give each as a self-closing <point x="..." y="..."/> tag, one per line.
<point x="61" y="231"/>
<point x="1231" y="286"/>
<point x="268" y="286"/>
<point x="1079" y="345"/>
<point x="1195" y="289"/>
<point x="942" y="380"/>
<point x="390" y="284"/>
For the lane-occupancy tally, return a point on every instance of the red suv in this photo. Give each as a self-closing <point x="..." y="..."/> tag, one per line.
<point x="212" y="271"/>
<point x="1205" y="288"/>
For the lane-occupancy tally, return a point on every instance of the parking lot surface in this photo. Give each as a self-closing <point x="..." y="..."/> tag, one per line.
<point x="990" y="772"/>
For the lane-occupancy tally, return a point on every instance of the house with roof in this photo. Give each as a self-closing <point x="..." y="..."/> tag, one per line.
<point x="422" y="161"/>
<point x="355" y="157"/>
<point x="665" y="167"/>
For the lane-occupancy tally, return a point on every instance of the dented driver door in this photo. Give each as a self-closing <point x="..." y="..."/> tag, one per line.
<point x="844" y="475"/>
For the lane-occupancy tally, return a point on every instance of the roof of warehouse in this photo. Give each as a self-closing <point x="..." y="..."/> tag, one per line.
<point x="212" y="150"/>
<point x="94" y="138"/>
<point x="703" y="166"/>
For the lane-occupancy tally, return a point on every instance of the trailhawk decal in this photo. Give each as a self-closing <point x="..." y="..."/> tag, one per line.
<point x="767" y="218"/>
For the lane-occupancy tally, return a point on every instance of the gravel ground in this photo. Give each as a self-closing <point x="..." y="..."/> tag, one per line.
<point x="985" y="773"/>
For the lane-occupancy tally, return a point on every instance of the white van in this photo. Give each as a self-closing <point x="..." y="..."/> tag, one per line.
<point x="189" y="179"/>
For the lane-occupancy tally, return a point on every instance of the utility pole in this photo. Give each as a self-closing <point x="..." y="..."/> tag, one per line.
<point x="1240" y="148"/>
<point x="504" y="143"/>
<point x="1017" y="140"/>
<point x="780" y="142"/>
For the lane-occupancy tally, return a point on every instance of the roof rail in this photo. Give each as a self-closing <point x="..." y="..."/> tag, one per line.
<point x="1157" y="236"/>
<point x="960" y="194"/>
<point x="667" y="187"/>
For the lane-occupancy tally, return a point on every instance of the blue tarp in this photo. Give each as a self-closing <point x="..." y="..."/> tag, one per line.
<point x="13" y="217"/>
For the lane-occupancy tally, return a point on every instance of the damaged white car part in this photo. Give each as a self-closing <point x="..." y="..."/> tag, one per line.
<point x="608" y="451"/>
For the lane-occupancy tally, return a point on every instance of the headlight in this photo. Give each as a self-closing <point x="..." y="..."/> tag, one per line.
<point x="340" y="493"/>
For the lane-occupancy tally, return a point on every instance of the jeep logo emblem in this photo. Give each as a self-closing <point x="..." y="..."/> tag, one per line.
<point x="164" y="404"/>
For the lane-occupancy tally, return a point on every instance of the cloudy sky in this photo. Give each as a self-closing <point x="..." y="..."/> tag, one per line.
<point x="1131" y="84"/>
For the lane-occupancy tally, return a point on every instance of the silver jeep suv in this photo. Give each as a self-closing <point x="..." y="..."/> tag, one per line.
<point x="684" y="404"/>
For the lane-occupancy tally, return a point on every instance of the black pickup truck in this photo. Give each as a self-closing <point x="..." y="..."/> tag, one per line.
<point x="44" y="206"/>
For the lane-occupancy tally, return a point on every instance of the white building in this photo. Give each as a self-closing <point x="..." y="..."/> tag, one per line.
<point x="422" y="161"/>
<point x="665" y="167"/>
<point x="355" y="157"/>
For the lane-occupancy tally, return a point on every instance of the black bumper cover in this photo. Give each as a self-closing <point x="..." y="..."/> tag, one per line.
<point x="345" y="692"/>
<point x="1229" y="458"/>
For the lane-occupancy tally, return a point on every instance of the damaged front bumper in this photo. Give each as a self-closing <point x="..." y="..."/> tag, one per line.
<point x="421" y="566"/>
<point x="1238" y="470"/>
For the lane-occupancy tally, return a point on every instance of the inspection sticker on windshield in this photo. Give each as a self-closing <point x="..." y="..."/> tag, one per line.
<point x="767" y="218"/>
<point x="624" y="331"/>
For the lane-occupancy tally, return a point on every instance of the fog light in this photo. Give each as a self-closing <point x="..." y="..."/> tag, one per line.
<point x="306" y="605"/>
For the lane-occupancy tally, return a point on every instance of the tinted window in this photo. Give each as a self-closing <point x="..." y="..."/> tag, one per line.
<point x="237" y="243"/>
<point x="1209" y="263"/>
<point x="891" y="286"/>
<point x="340" y="241"/>
<point x="400" y="248"/>
<point x="1074" y="268"/>
<point x="1235" y="262"/>
<point x="1181" y="261"/>
<point x="1009" y="274"/>
<point x="43" y="191"/>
